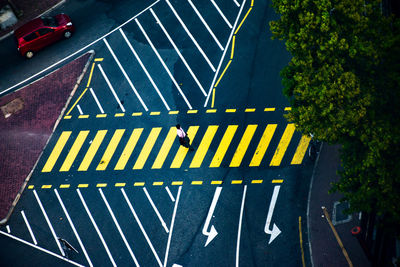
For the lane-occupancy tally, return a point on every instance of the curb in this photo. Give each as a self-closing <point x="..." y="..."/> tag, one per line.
<point x="4" y="220"/>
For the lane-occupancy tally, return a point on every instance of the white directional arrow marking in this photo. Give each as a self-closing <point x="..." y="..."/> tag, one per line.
<point x="275" y="230"/>
<point x="213" y="233"/>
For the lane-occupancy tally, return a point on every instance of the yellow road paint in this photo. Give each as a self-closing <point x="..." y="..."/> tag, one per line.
<point x="148" y="146"/>
<point x="64" y="186"/>
<point x="119" y="114"/>
<point x="301" y="244"/>
<point x="237" y="181"/>
<point x="173" y="112"/>
<point x="101" y="115"/>
<point x="288" y="108"/>
<point x="213" y="98"/>
<point x="222" y="74"/>
<point x="269" y="109"/>
<point x="155" y="113"/>
<point x="177" y="183"/>
<point x="203" y="147"/>
<point x="216" y="182"/>
<point x="277" y="181"/>
<point x="165" y="148"/>
<point x="83" y="185"/>
<point x="138" y="184"/>
<point x="112" y="146"/>
<point x="230" y="110"/>
<point x="257" y="181"/>
<point x="83" y="116"/>
<point x="192" y="111"/>
<point x="283" y="145"/>
<point x="46" y="186"/>
<point x="263" y="145"/>
<point x="51" y="161"/>
<point x="182" y="151"/>
<point x="158" y="183"/>
<point x="223" y="146"/>
<point x="67" y="117"/>
<point x="135" y="114"/>
<point x="98" y="139"/>
<point x="73" y="152"/>
<point x="98" y="59"/>
<point x="30" y="187"/>
<point x="233" y="46"/>
<point x="240" y="25"/>
<point x="76" y="102"/>
<point x="126" y="154"/>
<point x="90" y="75"/>
<point x="250" y="110"/>
<point x="197" y="182"/>
<point x="101" y="185"/>
<point x="243" y="145"/>
<point x="301" y="150"/>
<point x="120" y="184"/>
<point x="211" y="111"/>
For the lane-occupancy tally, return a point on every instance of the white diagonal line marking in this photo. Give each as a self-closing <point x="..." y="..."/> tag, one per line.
<point x="170" y="195"/>
<point x="97" y="101"/>
<point x="29" y="227"/>
<point x="155" y="209"/>
<point x="236" y="3"/>
<point x="240" y="226"/>
<point x="222" y="14"/>
<point x="111" y="87"/>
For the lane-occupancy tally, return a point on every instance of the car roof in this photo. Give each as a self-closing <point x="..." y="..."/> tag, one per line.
<point x="28" y="27"/>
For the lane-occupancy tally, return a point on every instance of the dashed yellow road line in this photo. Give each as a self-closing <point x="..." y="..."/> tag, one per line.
<point x="67" y="117"/>
<point x="158" y="183"/>
<point x="237" y="181"/>
<point x="101" y="115"/>
<point x="90" y="75"/>
<point x="216" y="182"/>
<point x="301" y="244"/>
<point x="46" y="186"/>
<point x="65" y="186"/>
<point x="155" y="113"/>
<point x="177" y="183"/>
<point x="269" y="109"/>
<point x="120" y="184"/>
<point x="173" y="112"/>
<point x="136" y="114"/>
<point x="83" y="116"/>
<point x="211" y="111"/>
<point x="288" y="108"/>
<point x="101" y="185"/>
<point x="197" y="182"/>
<point x="31" y="187"/>
<point x="230" y="110"/>
<point x="250" y="110"/>
<point x="119" y="114"/>
<point x="278" y="181"/>
<point x="192" y="111"/>
<point x="98" y="59"/>
<point x="83" y="185"/>
<point x="257" y="181"/>
<point x="138" y="184"/>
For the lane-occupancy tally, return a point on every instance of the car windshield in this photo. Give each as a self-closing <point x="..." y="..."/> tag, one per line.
<point x="50" y="21"/>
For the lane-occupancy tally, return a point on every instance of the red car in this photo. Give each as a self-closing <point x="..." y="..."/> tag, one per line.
<point x="41" y="32"/>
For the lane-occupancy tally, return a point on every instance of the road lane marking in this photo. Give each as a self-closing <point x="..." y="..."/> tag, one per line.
<point x="96" y="228"/>
<point x="98" y="139"/>
<point x="177" y="183"/>
<point x="79" y="109"/>
<point x="48" y="222"/>
<point x="223" y="146"/>
<point x="277" y="181"/>
<point x="182" y="151"/>
<point x="141" y="227"/>
<point x="240" y="225"/>
<point x="165" y="148"/>
<point x="263" y="145"/>
<point x="170" y="194"/>
<point x="156" y="210"/>
<point x="73" y="227"/>
<point x="222" y="14"/>
<point x="206" y="25"/>
<point x="213" y="232"/>
<point x="301" y="244"/>
<point x="236" y="3"/>
<point x="65" y="186"/>
<point x="204" y="146"/>
<point x="148" y="146"/>
<point x="191" y="36"/>
<point x="127" y="77"/>
<point x="163" y="63"/>
<point x="155" y="113"/>
<point x="97" y="100"/>
<point x="197" y="182"/>
<point x="237" y="181"/>
<point x="130" y="146"/>
<point x="269" y="109"/>
<point x="173" y="112"/>
<point x="51" y="161"/>
<point x="216" y="182"/>
<point x="301" y="150"/>
<point x="257" y="181"/>
<point x="112" y="146"/>
<point x="158" y="183"/>
<point x="243" y="145"/>
<point x="136" y="114"/>
<point x="275" y="230"/>
<point x="283" y="145"/>
<point x="28" y="226"/>
<point x="230" y="110"/>
<point x="73" y="152"/>
<point x="111" y="87"/>
<point x="83" y="116"/>
<point x="118" y="227"/>
<point x="8" y="228"/>
<point x="98" y="59"/>
<point x="138" y="184"/>
<point x="178" y="52"/>
<point x="101" y="185"/>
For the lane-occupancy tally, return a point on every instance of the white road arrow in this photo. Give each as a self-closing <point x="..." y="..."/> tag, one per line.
<point x="275" y="230"/>
<point x="213" y="233"/>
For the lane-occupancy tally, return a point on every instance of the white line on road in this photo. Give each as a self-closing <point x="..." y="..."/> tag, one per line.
<point x="126" y="75"/>
<point x="191" y="36"/>
<point x="163" y="63"/>
<point x="141" y="227"/>
<point x="206" y="25"/>
<point x="144" y="68"/>
<point x="29" y="227"/>
<point x="172" y="226"/>
<point x="169" y="193"/>
<point x="119" y="228"/>
<point x="111" y="87"/>
<point x="97" y="101"/>
<point x="73" y="227"/>
<point x="42" y="249"/>
<point x="178" y="52"/>
<point x="79" y="109"/>
<point x="95" y="227"/>
<point x="155" y="209"/>
<point x="8" y="228"/>
<point x="48" y="222"/>
<point x="236" y="3"/>
<point x="222" y="14"/>
<point x="240" y="225"/>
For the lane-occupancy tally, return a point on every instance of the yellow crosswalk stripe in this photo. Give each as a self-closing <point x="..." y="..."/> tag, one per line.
<point x="165" y="148"/>
<point x="76" y="147"/>
<point x="301" y="150"/>
<point x="182" y="151"/>
<point x="148" y="146"/>
<point x="263" y="145"/>
<point x="62" y="140"/>
<point x="203" y="147"/>
<point x="283" y="145"/>
<point x="223" y="146"/>
<point x="98" y="139"/>
<point x="110" y="149"/>
<point x="243" y="145"/>
<point x="129" y="147"/>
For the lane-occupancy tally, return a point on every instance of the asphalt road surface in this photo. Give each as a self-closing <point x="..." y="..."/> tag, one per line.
<point x="114" y="182"/>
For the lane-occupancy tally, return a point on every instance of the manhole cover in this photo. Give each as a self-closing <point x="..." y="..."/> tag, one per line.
<point x="12" y="107"/>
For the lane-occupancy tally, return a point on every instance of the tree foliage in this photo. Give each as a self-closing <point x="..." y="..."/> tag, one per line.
<point x="343" y="84"/>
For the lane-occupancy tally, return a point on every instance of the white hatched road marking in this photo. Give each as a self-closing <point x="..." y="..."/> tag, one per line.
<point x="111" y="87"/>
<point x="222" y="14"/>
<point x="141" y="227"/>
<point x="29" y="227"/>
<point x="127" y="77"/>
<point x="79" y="109"/>
<point x="191" y="36"/>
<point x="178" y="52"/>
<point x="97" y="101"/>
<point x="8" y="228"/>
<point x="163" y="63"/>
<point x="73" y="227"/>
<point x="48" y="222"/>
<point x="206" y="25"/>
<point x="236" y="3"/>
<point x="240" y="225"/>
<point x="95" y="227"/>
<point x="170" y="194"/>
<point x="155" y="209"/>
<point x="119" y="228"/>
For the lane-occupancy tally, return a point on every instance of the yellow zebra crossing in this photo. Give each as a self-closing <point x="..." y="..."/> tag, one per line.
<point x="121" y="149"/>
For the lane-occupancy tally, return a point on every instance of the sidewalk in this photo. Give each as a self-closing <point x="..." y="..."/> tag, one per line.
<point x="325" y="249"/>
